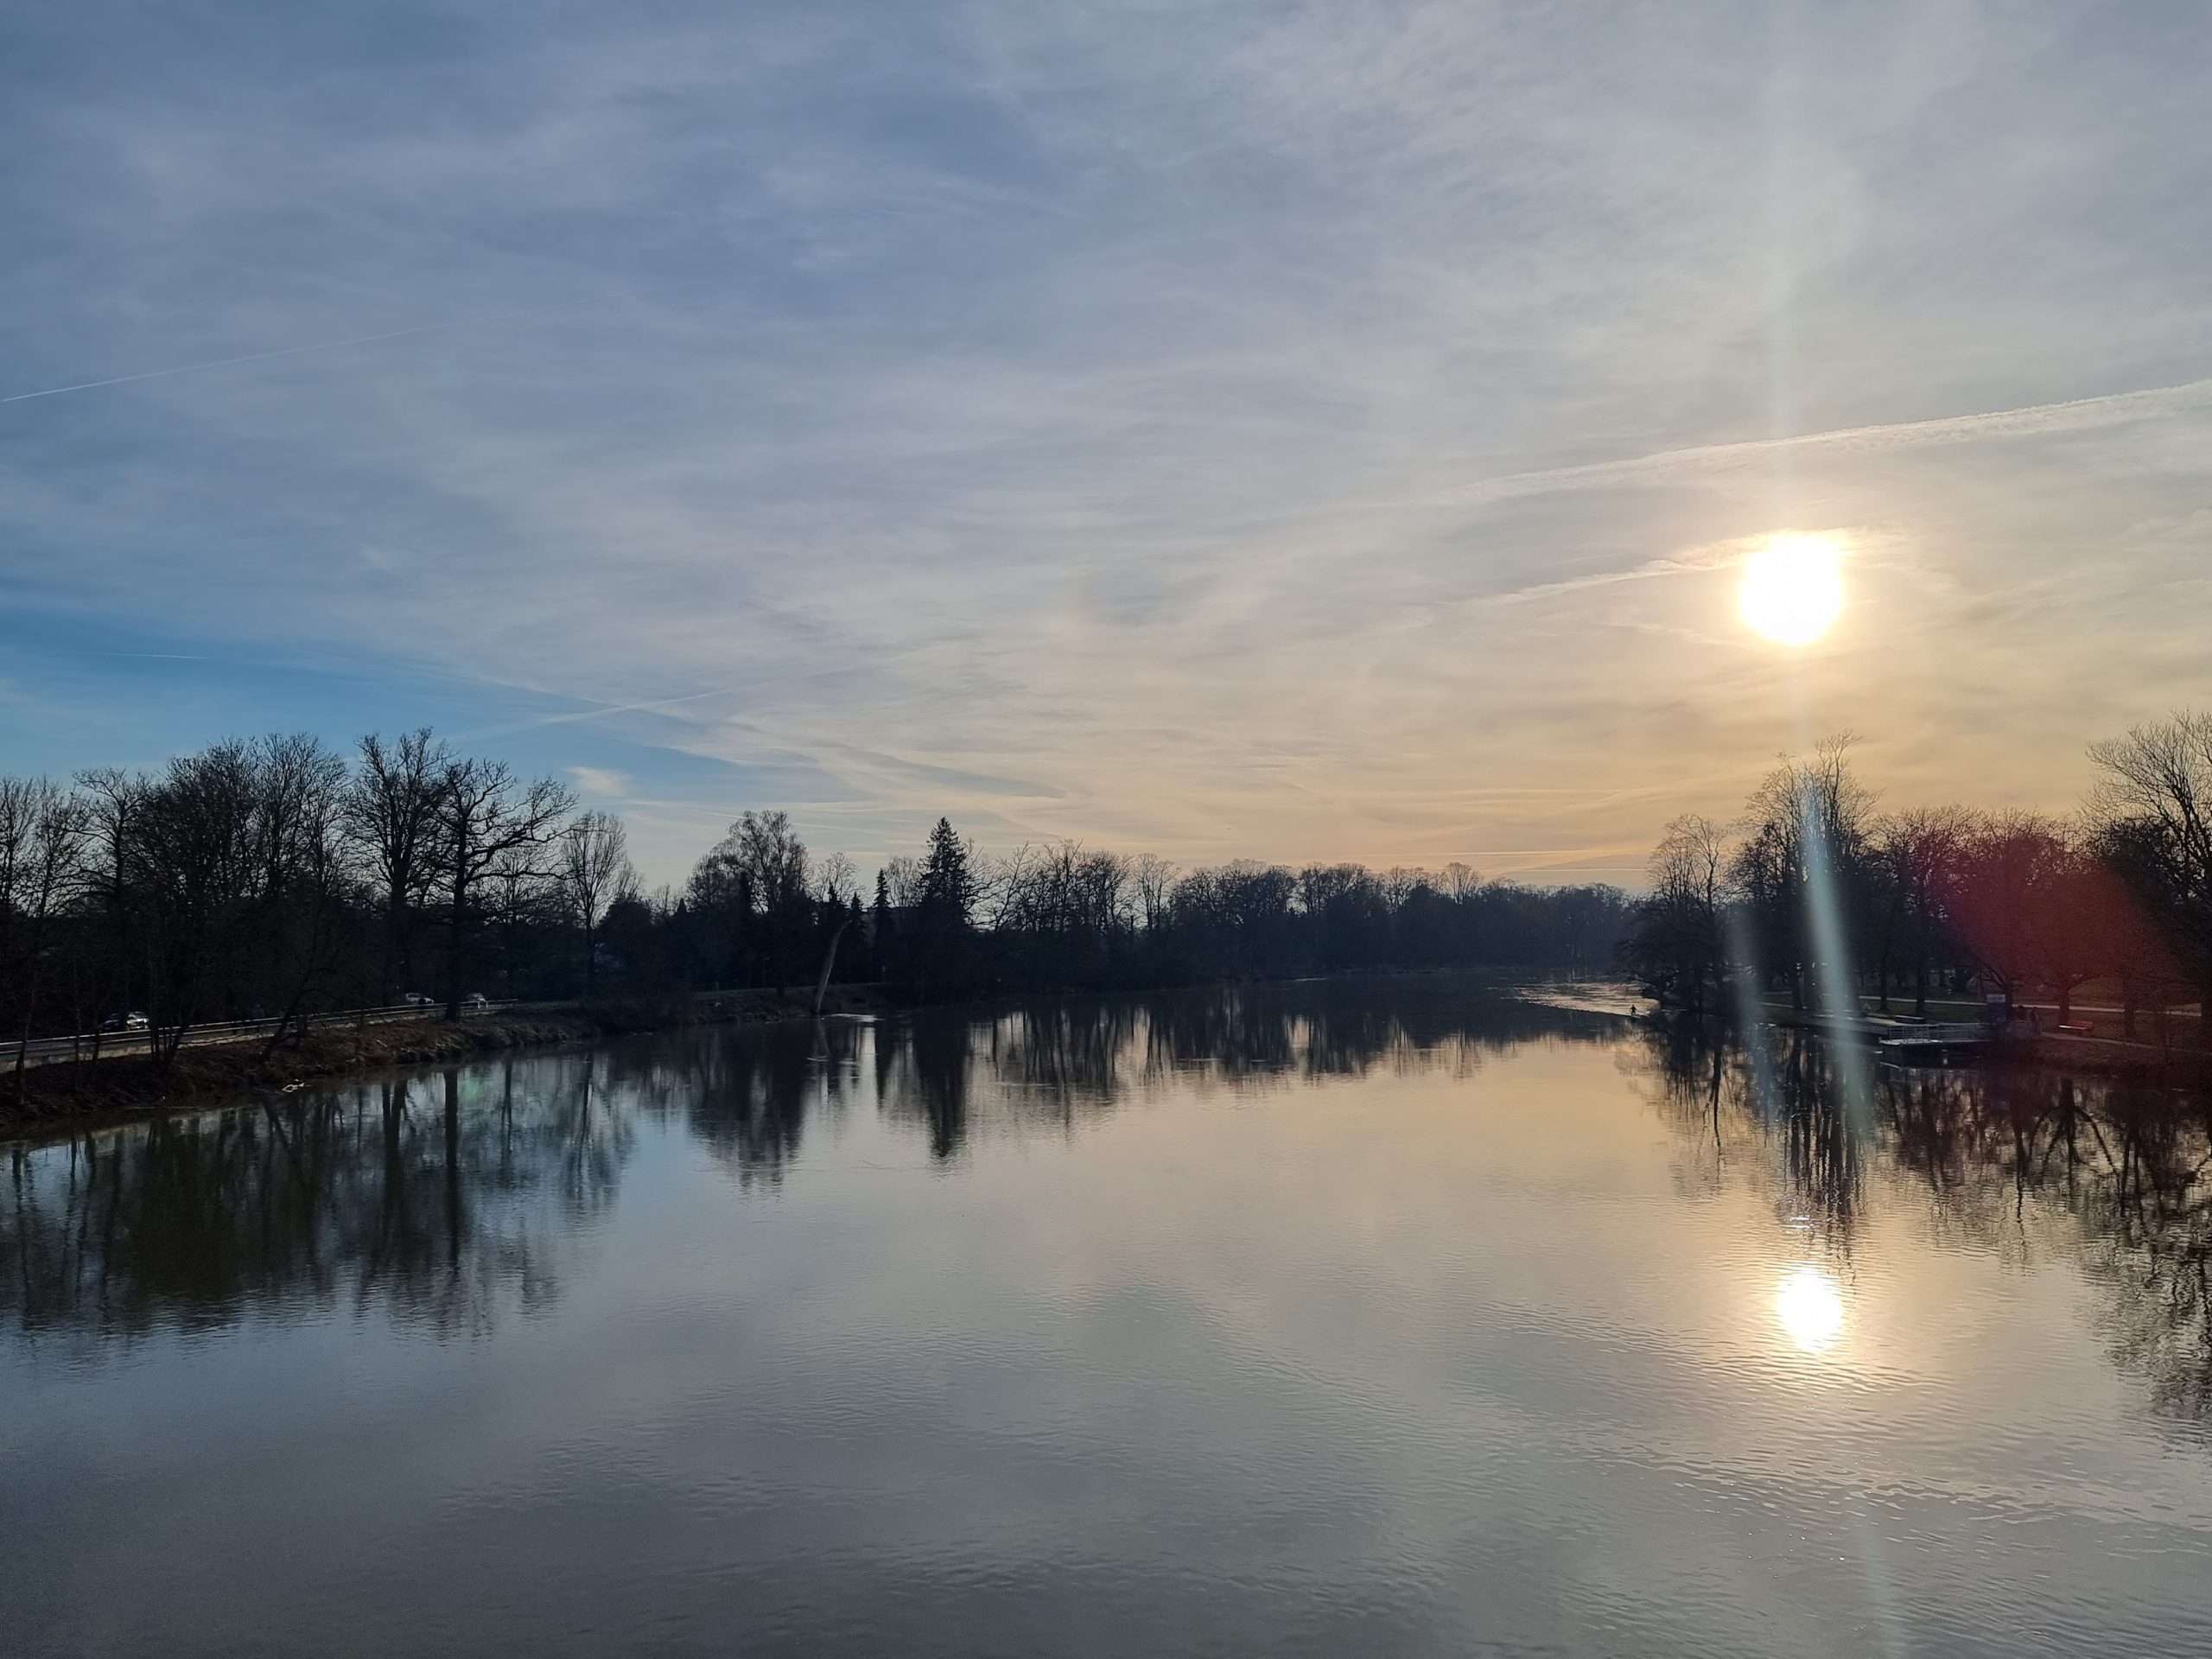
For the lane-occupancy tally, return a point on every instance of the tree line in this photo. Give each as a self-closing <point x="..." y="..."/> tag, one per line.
<point x="279" y="878"/>
<point x="1813" y="883"/>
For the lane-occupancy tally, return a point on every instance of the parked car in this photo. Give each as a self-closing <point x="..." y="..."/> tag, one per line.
<point x="418" y="999"/>
<point x="125" y="1022"/>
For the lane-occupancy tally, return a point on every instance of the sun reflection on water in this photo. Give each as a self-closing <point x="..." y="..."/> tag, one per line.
<point x="1809" y="1308"/>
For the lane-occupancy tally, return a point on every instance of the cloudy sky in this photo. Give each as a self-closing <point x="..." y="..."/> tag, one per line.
<point x="1273" y="429"/>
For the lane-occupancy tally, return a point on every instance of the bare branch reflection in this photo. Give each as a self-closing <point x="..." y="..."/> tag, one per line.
<point x="436" y="1198"/>
<point x="442" y="1198"/>
<point x="2026" y="1165"/>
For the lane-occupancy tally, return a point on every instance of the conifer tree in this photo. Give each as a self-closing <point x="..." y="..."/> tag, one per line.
<point x="948" y="883"/>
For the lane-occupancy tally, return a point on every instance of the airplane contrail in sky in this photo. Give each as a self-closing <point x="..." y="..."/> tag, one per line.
<point x="2071" y="415"/>
<point x="2074" y="414"/>
<point x="599" y="712"/>
<point x="283" y="350"/>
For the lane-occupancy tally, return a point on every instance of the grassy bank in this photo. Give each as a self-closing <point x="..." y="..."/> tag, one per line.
<point x="134" y="1085"/>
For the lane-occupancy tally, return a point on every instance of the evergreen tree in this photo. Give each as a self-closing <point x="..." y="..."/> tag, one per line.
<point x="947" y="884"/>
<point x="941" y="949"/>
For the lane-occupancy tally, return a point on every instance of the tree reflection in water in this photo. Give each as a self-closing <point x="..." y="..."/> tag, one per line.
<point x="433" y="1196"/>
<point x="442" y="1198"/>
<point x="2023" y="1164"/>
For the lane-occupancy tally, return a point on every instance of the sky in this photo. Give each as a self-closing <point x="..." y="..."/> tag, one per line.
<point x="1274" y="430"/>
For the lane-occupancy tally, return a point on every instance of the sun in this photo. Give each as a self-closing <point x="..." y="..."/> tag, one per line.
<point x="1792" y="588"/>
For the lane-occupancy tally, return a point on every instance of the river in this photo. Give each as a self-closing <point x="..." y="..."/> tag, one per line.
<point x="1376" y="1318"/>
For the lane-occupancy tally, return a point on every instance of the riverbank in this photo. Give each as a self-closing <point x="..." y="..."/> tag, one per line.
<point x="2119" y="1059"/>
<point x="134" y="1085"/>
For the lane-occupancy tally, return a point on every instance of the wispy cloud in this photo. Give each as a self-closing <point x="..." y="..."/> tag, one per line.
<point x="600" y="783"/>
<point x="262" y="357"/>
<point x="1159" y="426"/>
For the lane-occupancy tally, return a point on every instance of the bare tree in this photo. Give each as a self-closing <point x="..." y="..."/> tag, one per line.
<point x="764" y="854"/>
<point x="1080" y="899"/>
<point x="44" y="833"/>
<point x="485" y="816"/>
<point x="902" y="880"/>
<point x="302" y="877"/>
<point x="114" y="799"/>
<point x="1399" y="883"/>
<point x="595" y="873"/>
<point x="2008" y="870"/>
<point x="835" y="882"/>
<point x="1006" y="888"/>
<point x="1153" y="878"/>
<point x="19" y="799"/>
<point x="391" y="814"/>
<point x="523" y="890"/>
<point x="1806" y="824"/>
<point x="194" y="875"/>
<point x="754" y="884"/>
<point x="2155" y="798"/>
<point x="2142" y="947"/>
<point x="1921" y="849"/>
<point x="1677" y="938"/>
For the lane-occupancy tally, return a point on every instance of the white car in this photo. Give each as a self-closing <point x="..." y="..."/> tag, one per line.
<point x="124" y="1022"/>
<point x="417" y="1000"/>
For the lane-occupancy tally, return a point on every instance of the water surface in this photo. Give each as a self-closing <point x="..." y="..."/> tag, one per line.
<point x="1388" y="1318"/>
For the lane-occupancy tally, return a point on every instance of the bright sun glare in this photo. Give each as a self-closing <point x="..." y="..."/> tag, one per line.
<point x="1809" y="1308"/>
<point x="1791" y="589"/>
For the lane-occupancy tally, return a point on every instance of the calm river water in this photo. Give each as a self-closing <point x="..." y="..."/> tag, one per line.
<point x="1395" y="1318"/>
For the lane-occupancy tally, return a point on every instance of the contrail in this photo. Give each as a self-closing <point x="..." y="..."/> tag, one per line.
<point x="1649" y="570"/>
<point x="603" y="712"/>
<point x="2072" y="414"/>
<point x="284" y="351"/>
